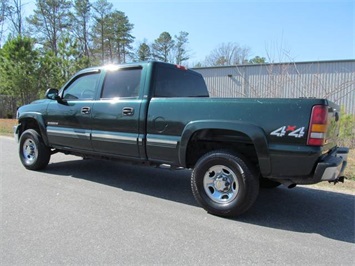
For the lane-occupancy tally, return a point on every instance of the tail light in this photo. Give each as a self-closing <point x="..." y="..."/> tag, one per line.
<point x="318" y="126"/>
<point x="181" y="67"/>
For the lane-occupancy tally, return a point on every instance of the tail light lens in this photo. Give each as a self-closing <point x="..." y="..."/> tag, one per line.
<point x="181" y="67"/>
<point x="318" y="126"/>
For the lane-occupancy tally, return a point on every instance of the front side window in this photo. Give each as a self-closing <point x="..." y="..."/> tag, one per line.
<point x="82" y="88"/>
<point x="122" y="83"/>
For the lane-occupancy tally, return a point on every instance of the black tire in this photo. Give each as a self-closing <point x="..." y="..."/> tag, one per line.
<point x="34" y="154"/>
<point x="267" y="183"/>
<point x="224" y="184"/>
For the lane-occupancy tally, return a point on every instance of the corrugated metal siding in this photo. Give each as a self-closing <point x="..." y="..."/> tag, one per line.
<point x="334" y="80"/>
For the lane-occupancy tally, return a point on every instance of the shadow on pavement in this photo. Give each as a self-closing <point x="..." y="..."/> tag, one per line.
<point x="304" y="210"/>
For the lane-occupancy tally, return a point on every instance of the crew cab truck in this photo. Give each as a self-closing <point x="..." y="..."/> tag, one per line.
<point x="157" y="113"/>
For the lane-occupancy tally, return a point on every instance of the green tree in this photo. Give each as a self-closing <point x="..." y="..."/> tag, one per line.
<point x="99" y="31"/>
<point x="112" y="35"/>
<point x="50" y="21"/>
<point x="143" y="52"/>
<point x="80" y="24"/>
<point x="180" y="47"/>
<point x="19" y="69"/>
<point x="55" y="70"/>
<point x="119" y="29"/>
<point x="163" y="47"/>
<point x="257" y="60"/>
<point x="49" y="71"/>
<point x="68" y="59"/>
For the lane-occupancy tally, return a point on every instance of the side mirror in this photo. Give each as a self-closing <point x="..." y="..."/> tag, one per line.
<point x="51" y="94"/>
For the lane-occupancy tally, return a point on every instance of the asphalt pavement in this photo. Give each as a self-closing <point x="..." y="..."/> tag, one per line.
<point x="102" y="212"/>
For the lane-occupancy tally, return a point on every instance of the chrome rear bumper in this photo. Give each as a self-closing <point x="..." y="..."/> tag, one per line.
<point x="332" y="167"/>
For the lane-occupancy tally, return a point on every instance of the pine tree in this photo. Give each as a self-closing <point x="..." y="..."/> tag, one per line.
<point x="50" y="21"/>
<point x="81" y="25"/>
<point x="120" y="28"/>
<point x="102" y="9"/>
<point x="163" y="47"/>
<point x="19" y="69"/>
<point x="181" y="54"/>
<point x="143" y="53"/>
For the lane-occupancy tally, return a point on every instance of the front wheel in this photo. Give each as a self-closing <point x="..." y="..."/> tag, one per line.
<point x="224" y="184"/>
<point x="34" y="154"/>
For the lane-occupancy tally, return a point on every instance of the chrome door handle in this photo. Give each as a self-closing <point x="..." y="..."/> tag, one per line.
<point x="128" y="111"/>
<point x="85" y="110"/>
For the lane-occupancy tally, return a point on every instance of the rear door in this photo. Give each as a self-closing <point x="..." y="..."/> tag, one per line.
<point x="69" y="122"/>
<point x="116" y="116"/>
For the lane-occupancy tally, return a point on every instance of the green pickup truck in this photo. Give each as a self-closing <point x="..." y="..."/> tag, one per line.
<point x="161" y="114"/>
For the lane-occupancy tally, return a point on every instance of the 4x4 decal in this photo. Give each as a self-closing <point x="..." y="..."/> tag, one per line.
<point x="290" y="131"/>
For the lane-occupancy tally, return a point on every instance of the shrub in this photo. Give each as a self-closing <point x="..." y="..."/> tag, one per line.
<point x="347" y="130"/>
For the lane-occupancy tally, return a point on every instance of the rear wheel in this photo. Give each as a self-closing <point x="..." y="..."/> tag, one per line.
<point x="34" y="154"/>
<point x="224" y="184"/>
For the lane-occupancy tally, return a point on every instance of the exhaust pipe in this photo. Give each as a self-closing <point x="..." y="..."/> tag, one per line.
<point x="287" y="183"/>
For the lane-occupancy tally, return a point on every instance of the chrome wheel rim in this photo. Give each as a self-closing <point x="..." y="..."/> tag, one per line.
<point x="29" y="151"/>
<point x="221" y="184"/>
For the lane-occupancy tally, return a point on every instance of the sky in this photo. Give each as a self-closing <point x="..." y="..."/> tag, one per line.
<point x="278" y="30"/>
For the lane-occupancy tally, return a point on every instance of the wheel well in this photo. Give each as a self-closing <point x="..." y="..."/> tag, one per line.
<point x="207" y="140"/>
<point x="29" y="123"/>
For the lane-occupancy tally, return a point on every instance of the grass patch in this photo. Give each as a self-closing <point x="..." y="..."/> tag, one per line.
<point x="350" y="169"/>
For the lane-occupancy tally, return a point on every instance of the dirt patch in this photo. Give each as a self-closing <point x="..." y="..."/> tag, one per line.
<point x="7" y="126"/>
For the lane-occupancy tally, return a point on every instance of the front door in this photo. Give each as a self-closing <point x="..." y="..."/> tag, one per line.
<point x="69" y="121"/>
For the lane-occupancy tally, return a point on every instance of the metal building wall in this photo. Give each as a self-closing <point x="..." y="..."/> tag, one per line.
<point x="334" y="80"/>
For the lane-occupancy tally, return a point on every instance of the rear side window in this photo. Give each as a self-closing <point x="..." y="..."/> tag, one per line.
<point x="122" y="83"/>
<point x="170" y="81"/>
